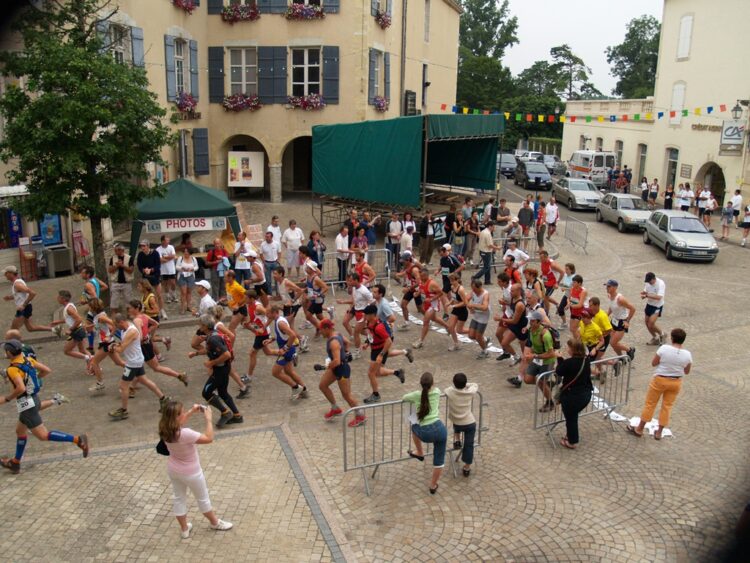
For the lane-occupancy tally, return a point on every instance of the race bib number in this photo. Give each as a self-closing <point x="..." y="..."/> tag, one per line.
<point x="25" y="403"/>
<point x="446" y="271"/>
<point x="537" y="361"/>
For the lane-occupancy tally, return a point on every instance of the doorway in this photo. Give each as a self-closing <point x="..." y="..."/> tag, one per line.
<point x="673" y="156"/>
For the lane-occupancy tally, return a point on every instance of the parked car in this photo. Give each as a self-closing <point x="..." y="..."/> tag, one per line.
<point x="506" y="165"/>
<point x="576" y="194"/>
<point x="555" y="166"/>
<point x="533" y="156"/>
<point x="681" y="235"/>
<point x="627" y="211"/>
<point x="531" y="174"/>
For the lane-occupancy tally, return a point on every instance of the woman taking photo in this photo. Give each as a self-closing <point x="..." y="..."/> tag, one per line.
<point x="428" y="428"/>
<point x="574" y="375"/>
<point x="184" y="466"/>
<point x="186" y="267"/>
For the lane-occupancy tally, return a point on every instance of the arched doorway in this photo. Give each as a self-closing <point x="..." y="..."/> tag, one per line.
<point x="712" y="176"/>
<point x="296" y="165"/>
<point x="244" y="144"/>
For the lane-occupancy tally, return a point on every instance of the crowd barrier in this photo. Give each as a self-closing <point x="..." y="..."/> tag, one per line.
<point x="528" y="244"/>
<point x="385" y="437"/>
<point x="610" y="393"/>
<point x="577" y="232"/>
<point x="379" y="259"/>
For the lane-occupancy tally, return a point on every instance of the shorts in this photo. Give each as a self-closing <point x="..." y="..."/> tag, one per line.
<point x="477" y="326"/>
<point x="434" y="304"/>
<point x="240" y="311"/>
<point x="129" y="374"/>
<point x="259" y="340"/>
<point x="684" y="208"/>
<point x="291" y="310"/>
<point x="619" y="326"/>
<point x="186" y="281"/>
<point x="358" y="315"/>
<point x="261" y="289"/>
<point x="287" y="357"/>
<point x="25" y="312"/>
<point x="168" y="277"/>
<point x="517" y="331"/>
<point x="342" y="371"/>
<point x="461" y="313"/>
<point x="104" y="346"/>
<point x="78" y="334"/>
<point x="536" y="369"/>
<point x="31" y="418"/>
<point x="315" y="308"/>
<point x="736" y="212"/>
<point x="607" y="338"/>
<point x="701" y="211"/>
<point x="708" y="212"/>
<point x="147" y="348"/>
<point x="745" y="224"/>
<point x="375" y="353"/>
<point x="153" y="280"/>
<point x="549" y="290"/>
<point x="409" y="295"/>
<point x="651" y="310"/>
<point x="576" y="315"/>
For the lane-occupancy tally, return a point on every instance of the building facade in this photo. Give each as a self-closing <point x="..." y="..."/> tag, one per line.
<point x="700" y="68"/>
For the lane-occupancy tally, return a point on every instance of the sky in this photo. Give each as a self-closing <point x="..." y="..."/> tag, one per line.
<point x="588" y="26"/>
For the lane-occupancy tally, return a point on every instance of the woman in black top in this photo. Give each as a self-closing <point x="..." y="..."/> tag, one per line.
<point x="575" y="375"/>
<point x="668" y="196"/>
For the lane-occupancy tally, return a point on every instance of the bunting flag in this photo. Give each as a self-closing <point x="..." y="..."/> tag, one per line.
<point x="529" y="117"/>
<point x="540" y="118"/>
<point x="486" y="112"/>
<point x="443" y="106"/>
<point x="519" y="117"/>
<point x="612" y="118"/>
<point x="600" y="119"/>
<point x="722" y="108"/>
<point x="671" y="114"/>
<point x="550" y="119"/>
<point x="562" y="119"/>
<point x="637" y="117"/>
<point x="624" y="117"/>
<point x="466" y="110"/>
<point x="507" y="115"/>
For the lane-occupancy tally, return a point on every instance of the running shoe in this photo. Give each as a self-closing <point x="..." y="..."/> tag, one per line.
<point x="515" y="360"/>
<point x="453" y="347"/>
<point x="168" y="343"/>
<point x="119" y="414"/>
<point x="160" y="358"/>
<point x="356" y="354"/>
<point x="319" y="367"/>
<point x="417" y="344"/>
<point x="303" y="344"/>
<point x="185" y="534"/>
<point x="357" y="421"/>
<point x="662" y="338"/>
<point x="655" y="341"/>
<point x="403" y="326"/>
<point x="83" y="443"/>
<point x="297" y="392"/>
<point x="349" y="357"/>
<point x="182" y="376"/>
<point x="483" y="354"/>
<point x="400" y="374"/>
<point x="163" y="403"/>
<point x="374" y="398"/>
<point x="59" y="399"/>
<point x="245" y="379"/>
<point x="515" y="382"/>
<point x="504" y="356"/>
<point x="295" y="358"/>
<point x="131" y="393"/>
<point x="331" y="311"/>
<point x="164" y="315"/>
<point x="306" y="325"/>
<point x="303" y="394"/>
<point x="410" y="355"/>
<point x="224" y="419"/>
<point x="331" y="414"/>
<point x="10" y="464"/>
<point x="58" y="330"/>
<point x="236" y="419"/>
<point x="631" y="353"/>
<point x="222" y="526"/>
<point x="563" y="326"/>
<point x="243" y="393"/>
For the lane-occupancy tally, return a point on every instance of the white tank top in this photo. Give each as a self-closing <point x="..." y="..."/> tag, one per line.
<point x="482" y="317"/>
<point x="101" y="330"/>
<point x="18" y="296"/>
<point x="133" y="355"/>
<point x="617" y="312"/>
<point x="69" y="320"/>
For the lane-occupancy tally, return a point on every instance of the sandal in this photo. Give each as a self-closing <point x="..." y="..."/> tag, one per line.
<point x="433" y="491"/>
<point x="415" y="456"/>
<point x="564" y="442"/>
<point x="633" y="431"/>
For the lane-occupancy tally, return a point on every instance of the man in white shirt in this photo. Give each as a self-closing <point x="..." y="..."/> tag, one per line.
<point x="394" y="230"/>
<point x="291" y="240"/>
<point x="342" y="252"/>
<point x="203" y="288"/>
<point x="703" y="194"/>
<point x="407" y="240"/>
<point x="519" y="255"/>
<point x="653" y="292"/>
<point x="270" y="249"/>
<point x="167" y="257"/>
<point x="360" y="298"/>
<point x="683" y="197"/>
<point x="552" y="216"/>
<point x="737" y="206"/>
<point x="241" y="263"/>
<point x="275" y="228"/>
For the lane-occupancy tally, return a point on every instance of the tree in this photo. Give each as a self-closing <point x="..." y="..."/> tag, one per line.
<point x="486" y="28"/>
<point x="82" y="131"/>
<point x="575" y="71"/>
<point x="541" y="79"/>
<point x="634" y="60"/>
<point x="483" y="81"/>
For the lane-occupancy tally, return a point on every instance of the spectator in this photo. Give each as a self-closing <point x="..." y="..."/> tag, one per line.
<point x="342" y="252"/>
<point x="407" y="240"/>
<point x="427" y="236"/>
<point x="457" y="234"/>
<point x="167" y="256"/>
<point x="275" y="228"/>
<point x="120" y="270"/>
<point x="737" y="206"/>
<point x="526" y="217"/>
<point x="628" y="177"/>
<point x="471" y="229"/>
<point x="241" y="263"/>
<point x="460" y="397"/>
<point x="644" y="189"/>
<point x="552" y="215"/>
<point x="185" y="242"/>
<point x="467" y="208"/>
<point x="503" y="214"/>
<point x="186" y="267"/>
<point x="369" y="224"/>
<point x="450" y="219"/>
<point x="409" y="220"/>
<point x="669" y="196"/>
<point x="359" y="242"/>
<point x="394" y="230"/>
<point x="316" y="248"/>
<point x="149" y="265"/>
<point x="291" y="240"/>
<point x="488" y="211"/>
<point x="574" y="377"/>
<point x="270" y="249"/>
<point x="351" y="224"/>
<point x="541" y="224"/>
<point x="217" y="260"/>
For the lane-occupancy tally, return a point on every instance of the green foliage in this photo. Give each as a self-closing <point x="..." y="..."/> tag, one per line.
<point x="487" y="29"/>
<point x="535" y="105"/>
<point x="482" y="81"/>
<point x="574" y="72"/>
<point x="541" y="79"/>
<point x="634" y="60"/>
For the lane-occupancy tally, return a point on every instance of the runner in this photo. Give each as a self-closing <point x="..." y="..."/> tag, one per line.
<point x="92" y="289"/>
<point x="431" y="294"/>
<point x="75" y="332"/>
<point x="205" y="306"/>
<point x="385" y="313"/>
<point x="519" y="256"/>
<point x="541" y="224"/>
<point x="511" y="269"/>
<point x="458" y="309"/>
<point x="315" y="297"/>
<point x="653" y="293"/>
<point x="601" y="319"/>
<point x="744" y="225"/>
<point x="621" y="312"/>
<point x="506" y="312"/>
<point x="449" y="264"/>
<point x="360" y="298"/>
<point x="515" y="323"/>
<point x="24" y="374"/>
<point x="229" y="337"/>
<point x="578" y="300"/>
<point x="286" y="340"/>
<point x="539" y="357"/>
<point x="479" y="306"/>
<point x="381" y="342"/>
<point x="103" y="328"/>
<point x="258" y="277"/>
<point x="338" y="370"/>
<point x="410" y="276"/>
<point x="363" y="269"/>
<point x="291" y="298"/>
<point x="550" y="280"/>
<point x="533" y="284"/>
<point x="57" y="399"/>
<point x="150" y="307"/>
<point x="565" y="283"/>
<point x="257" y="324"/>
<point x="148" y="326"/>
<point x="235" y="300"/>
<point x="132" y="356"/>
<point x="22" y="295"/>
<point x="552" y="217"/>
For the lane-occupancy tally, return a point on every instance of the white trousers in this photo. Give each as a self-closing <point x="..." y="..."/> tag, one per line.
<point x="197" y="485"/>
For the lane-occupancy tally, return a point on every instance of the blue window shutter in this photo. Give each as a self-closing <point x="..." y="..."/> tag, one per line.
<point x="169" y="65"/>
<point x="331" y="6"/>
<point x="387" y="74"/>
<point x="200" y="152"/>
<point x="215" y="6"/>
<point x="275" y="6"/>
<point x="216" y="75"/>
<point x="102" y="30"/>
<point x="265" y="74"/>
<point x="136" y="43"/>
<point x="389" y="7"/>
<point x="372" y="77"/>
<point x="264" y="6"/>
<point x="331" y="75"/>
<point x="374" y="5"/>
<point x="194" y="75"/>
<point x="279" y="75"/>
<point x="197" y="2"/>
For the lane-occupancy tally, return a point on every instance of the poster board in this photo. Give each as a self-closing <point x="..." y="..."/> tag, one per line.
<point x="50" y="229"/>
<point x="245" y="169"/>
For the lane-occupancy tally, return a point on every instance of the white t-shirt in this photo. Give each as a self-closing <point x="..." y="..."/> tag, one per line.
<point x="342" y="245"/>
<point x="276" y="232"/>
<point x="362" y="297"/>
<point x="395" y="228"/>
<point x="133" y="355"/>
<point x="658" y="287"/>
<point x="644" y="186"/>
<point x="186" y="269"/>
<point x="407" y="242"/>
<point x="685" y="197"/>
<point x="206" y="303"/>
<point x="168" y="267"/>
<point x="241" y="262"/>
<point x="672" y="361"/>
<point x="270" y="251"/>
<point x="704" y="195"/>
<point x="293" y="238"/>
<point x="737" y="202"/>
<point x="519" y="255"/>
<point x="552" y="213"/>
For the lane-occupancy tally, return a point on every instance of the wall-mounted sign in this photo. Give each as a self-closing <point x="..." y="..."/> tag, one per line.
<point x="50" y="230"/>
<point x="732" y="137"/>
<point x="686" y="171"/>
<point x="703" y="127"/>
<point x="187" y="224"/>
<point x="245" y="169"/>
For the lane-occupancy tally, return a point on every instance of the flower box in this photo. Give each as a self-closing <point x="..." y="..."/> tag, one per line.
<point x="187" y="5"/>
<point x="240" y="13"/>
<point x="185" y="102"/>
<point x="302" y="12"/>
<point x="241" y="102"/>
<point x="380" y="103"/>
<point x="313" y="102"/>
<point x="383" y="19"/>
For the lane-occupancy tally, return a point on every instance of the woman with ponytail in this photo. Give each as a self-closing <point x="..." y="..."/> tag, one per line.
<point x="428" y="428"/>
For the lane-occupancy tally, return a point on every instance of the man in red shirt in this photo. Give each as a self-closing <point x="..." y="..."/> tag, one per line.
<point x="214" y="260"/>
<point x="381" y="347"/>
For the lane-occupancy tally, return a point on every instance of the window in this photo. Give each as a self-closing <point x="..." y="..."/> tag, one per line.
<point x="686" y="33"/>
<point x="119" y="38"/>
<point x="242" y="2"/>
<point x="427" y="21"/>
<point x="378" y="75"/>
<point x="243" y="71"/>
<point x="678" y="102"/>
<point x="642" y="151"/>
<point x="181" y="74"/>
<point x="582" y="142"/>
<point x="619" y="146"/>
<point x="599" y="144"/>
<point x="308" y="2"/>
<point x="305" y="71"/>
<point x="425" y="84"/>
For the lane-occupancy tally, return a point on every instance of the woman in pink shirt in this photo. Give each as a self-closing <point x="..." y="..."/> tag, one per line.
<point x="184" y="466"/>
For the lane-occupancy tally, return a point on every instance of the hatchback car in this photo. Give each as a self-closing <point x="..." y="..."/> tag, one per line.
<point x="681" y="235"/>
<point x="506" y="165"/>
<point x="575" y="193"/>
<point x="532" y="174"/>
<point x="627" y="211"/>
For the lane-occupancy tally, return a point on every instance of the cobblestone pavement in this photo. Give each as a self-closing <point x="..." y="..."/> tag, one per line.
<point x="615" y="498"/>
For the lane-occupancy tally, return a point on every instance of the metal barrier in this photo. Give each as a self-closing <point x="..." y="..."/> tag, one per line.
<point x="378" y="258"/>
<point x="385" y="437"/>
<point x="528" y="244"/>
<point x="577" y="232"/>
<point x="611" y="393"/>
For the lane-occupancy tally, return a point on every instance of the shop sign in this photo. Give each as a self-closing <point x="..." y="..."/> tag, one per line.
<point x="732" y="137"/>
<point x="686" y="171"/>
<point x="187" y="224"/>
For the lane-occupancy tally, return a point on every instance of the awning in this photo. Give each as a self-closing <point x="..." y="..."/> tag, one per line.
<point x="458" y="127"/>
<point x="13" y="191"/>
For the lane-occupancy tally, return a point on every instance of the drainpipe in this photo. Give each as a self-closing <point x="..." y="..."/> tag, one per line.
<point x="404" y="9"/>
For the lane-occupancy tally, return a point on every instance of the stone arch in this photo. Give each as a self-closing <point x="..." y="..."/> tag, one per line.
<point x="712" y="175"/>
<point x="244" y="143"/>
<point x="296" y="164"/>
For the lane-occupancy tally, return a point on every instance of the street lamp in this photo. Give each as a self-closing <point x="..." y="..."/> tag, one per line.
<point x="737" y="111"/>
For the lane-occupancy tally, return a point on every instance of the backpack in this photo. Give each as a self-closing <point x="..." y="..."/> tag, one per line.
<point x="31" y="378"/>
<point x="555" y="337"/>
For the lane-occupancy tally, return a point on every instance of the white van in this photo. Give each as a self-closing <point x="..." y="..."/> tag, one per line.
<point x="591" y="165"/>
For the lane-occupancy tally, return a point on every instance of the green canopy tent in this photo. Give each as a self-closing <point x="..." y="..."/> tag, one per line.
<point x="390" y="161"/>
<point x="185" y="203"/>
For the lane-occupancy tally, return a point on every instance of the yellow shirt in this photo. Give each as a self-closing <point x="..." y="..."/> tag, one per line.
<point x="590" y="333"/>
<point x="235" y="294"/>
<point x="602" y="321"/>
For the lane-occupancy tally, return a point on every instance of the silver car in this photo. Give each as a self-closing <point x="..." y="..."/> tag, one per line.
<point x="627" y="211"/>
<point x="576" y="193"/>
<point x="681" y="235"/>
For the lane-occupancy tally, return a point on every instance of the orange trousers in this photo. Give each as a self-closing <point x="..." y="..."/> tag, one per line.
<point x="665" y="387"/>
